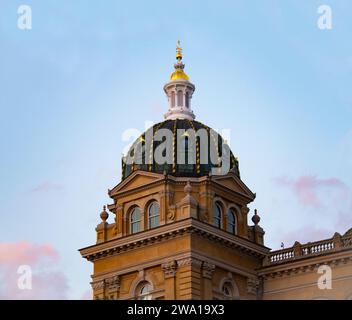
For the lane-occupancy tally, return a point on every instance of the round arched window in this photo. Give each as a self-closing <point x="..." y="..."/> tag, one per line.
<point x="217" y="215"/>
<point x="231" y="221"/>
<point x="144" y="291"/>
<point x="227" y="290"/>
<point x="136" y="220"/>
<point x="154" y="215"/>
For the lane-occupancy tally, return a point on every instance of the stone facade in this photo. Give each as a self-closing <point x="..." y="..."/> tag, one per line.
<point x="187" y="257"/>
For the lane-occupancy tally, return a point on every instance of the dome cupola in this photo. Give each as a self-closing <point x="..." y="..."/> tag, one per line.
<point x="179" y="91"/>
<point x="180" y="146"/>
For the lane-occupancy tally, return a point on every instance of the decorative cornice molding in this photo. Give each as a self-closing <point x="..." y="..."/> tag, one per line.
<point x="246" y="195"/>
<point x="137" y="189"/>
<point x="172" y="230"/>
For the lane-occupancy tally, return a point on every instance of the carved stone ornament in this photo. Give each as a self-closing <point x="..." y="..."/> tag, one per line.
<point x="208" y="270"/>
<point x="169" y="269"/>
<point x="252" y="285"/>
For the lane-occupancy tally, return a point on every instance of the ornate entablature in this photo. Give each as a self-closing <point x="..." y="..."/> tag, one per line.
<point x="179" y="229"/>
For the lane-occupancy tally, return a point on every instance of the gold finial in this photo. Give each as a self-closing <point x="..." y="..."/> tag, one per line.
<point x="179" y="74"/>
<point x="178" y="51"/>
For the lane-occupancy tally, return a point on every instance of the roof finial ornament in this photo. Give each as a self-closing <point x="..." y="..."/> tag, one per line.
<point x="179" y="74"/>
<point x="104" y="215"/>
<point x="256" y="218"/>
<point x="178" y="51"/>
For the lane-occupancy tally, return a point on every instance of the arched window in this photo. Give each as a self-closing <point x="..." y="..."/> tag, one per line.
<point x="180" y="98"/>
<point x="227" y="290"/>
<point x="217" y="215"/>
<point x="172" y="99"/>
<point x="154" y="215"/>
<point x="187" y="99"/>
<point x="143" y="291"/>
<point x="231" y="221"/>
<point x="136" y="220"/>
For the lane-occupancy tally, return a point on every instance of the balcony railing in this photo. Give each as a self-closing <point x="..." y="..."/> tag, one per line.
<point x="298" y="251"/>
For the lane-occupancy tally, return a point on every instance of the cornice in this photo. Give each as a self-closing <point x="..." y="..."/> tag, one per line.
<point x="115" y="190"/>
<point x="169" y="231"/>
<point x="137" y="189"/>
<point x="229" y="193"/>
<point x="247" y="193"/>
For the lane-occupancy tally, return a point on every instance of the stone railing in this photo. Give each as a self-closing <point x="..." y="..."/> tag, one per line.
<point x="281" y="255"/>
<point x="298" y="251"/>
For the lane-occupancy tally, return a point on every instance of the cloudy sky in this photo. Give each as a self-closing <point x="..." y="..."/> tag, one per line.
<point x="85" y="73"/>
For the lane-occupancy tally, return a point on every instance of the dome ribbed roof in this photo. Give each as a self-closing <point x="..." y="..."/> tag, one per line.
<point x="146" y="161"/>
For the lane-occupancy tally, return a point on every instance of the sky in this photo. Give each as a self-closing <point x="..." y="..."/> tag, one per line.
<point x="85" y="73"/>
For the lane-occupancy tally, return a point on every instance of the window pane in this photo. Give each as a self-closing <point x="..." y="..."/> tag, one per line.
<point x="231" y="222"/>
<point x="144" y="291"/>
<point x="227" y="289"/>
<point x="154" y="222"/>
<point x="135" y="220"/>
<point x="217" y="216"/>
<point x="136" y="215"/>
<point x="136" y="227"/>
<point x="154" y="213"/>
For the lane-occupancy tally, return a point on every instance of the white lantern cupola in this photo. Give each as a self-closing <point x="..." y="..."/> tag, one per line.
<point x="179" y="91"/>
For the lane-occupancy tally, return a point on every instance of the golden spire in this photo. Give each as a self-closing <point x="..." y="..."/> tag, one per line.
<point x="178" y="51"/>
<point x="179" y="74"/>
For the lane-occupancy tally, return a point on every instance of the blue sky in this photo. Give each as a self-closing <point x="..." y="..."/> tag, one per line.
<point x="87" y="72"/>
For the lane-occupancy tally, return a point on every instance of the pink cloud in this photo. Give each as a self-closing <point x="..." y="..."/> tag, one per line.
<point x="326" y="209"/>
<point x="47" y="186"/>
<point x="25" y="253"/>
<point x="47" y="281"/>
<point x="307" y="189"/>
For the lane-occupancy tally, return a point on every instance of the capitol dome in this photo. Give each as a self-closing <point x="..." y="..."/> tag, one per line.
<point x="189" y="148"/>
<point x="141" y="157"/>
